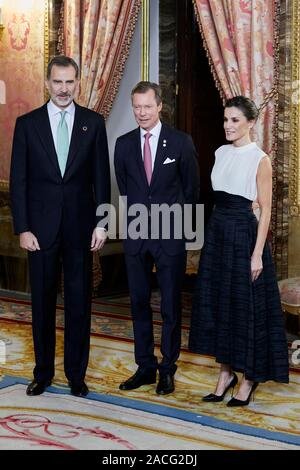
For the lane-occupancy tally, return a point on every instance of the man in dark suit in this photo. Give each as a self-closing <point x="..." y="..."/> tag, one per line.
<point x="155" y="164"/>
<point x="59" y="175"/>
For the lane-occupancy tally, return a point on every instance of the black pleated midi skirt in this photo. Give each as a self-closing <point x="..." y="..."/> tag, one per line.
<point x="238" y="321"/>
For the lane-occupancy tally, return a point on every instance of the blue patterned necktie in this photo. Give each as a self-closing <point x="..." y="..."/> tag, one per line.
<point x="62" y="142"/>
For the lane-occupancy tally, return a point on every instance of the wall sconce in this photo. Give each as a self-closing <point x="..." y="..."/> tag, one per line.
<point x="2" y="27"/>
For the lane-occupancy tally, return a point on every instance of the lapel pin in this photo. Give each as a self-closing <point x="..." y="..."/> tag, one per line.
<point x="84" y="128"/>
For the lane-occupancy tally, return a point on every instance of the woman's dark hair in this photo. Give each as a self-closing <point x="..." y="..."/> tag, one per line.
<point x="244" y="104"/>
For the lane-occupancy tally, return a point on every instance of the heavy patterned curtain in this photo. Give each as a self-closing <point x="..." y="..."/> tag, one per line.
<point x="97" y="34"/>
<point x="239" y="37"/>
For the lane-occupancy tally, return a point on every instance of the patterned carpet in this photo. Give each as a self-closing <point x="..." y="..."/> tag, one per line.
<point x="111" y="316"/>
<point x="140" y="419"/>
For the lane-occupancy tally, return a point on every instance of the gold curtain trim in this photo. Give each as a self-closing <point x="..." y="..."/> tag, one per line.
<point x="46" y="42"/>
<point x="106" y="101"/>
<point x="294" y="171"/>
<point x="208" y="55"/>
<point x="274" y="94"/>
<point x="271" y="94"/>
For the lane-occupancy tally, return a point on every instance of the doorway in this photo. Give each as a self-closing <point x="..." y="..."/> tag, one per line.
<point x="199" y="109"/>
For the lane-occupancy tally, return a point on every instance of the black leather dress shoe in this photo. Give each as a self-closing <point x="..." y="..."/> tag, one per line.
<point x="37" y="388"/>
<point x="139" y="379"/>
<point x="79" y="389"/>
<point x="165" y="384"/>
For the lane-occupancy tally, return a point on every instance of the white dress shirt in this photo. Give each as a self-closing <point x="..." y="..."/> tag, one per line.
<point x="153" y="141"/>
<point x="54" y="117"/>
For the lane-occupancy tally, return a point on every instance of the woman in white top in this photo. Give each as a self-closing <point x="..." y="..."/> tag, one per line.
<point x="236" y="313"/>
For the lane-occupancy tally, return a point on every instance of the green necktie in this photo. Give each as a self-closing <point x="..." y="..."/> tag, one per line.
<point x="62" y="142"/>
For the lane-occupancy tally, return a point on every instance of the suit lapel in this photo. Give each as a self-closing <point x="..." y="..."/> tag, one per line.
<point x="138" y="154"/>
<point x="43" y="128"/>
<point x="77" y="135"/>
<point x="160" y="153"/>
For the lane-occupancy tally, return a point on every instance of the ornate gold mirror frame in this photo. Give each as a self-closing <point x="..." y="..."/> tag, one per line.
<point x="294" y="174"/>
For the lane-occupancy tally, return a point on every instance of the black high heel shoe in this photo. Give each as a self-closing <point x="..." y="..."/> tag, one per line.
<point x="212" y="397"/>
<point x="237" y="402"/>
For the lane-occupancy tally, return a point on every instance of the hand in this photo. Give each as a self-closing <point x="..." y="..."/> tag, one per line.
<point x="255" y="205"/>
<point x="29" y="242"/>
<point x="256" y="266"/>
<point x="98" y="239"/>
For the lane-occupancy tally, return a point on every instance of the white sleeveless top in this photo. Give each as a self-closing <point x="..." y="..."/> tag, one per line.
<point x="235" y="169"/>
